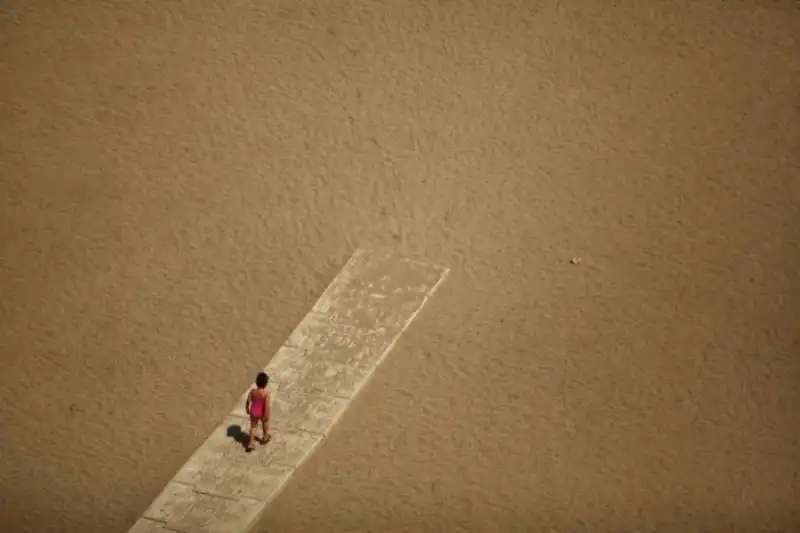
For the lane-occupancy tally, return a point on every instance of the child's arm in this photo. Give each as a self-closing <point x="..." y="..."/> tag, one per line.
<point x="267" y="406"/>
<point x="247" y="403"/>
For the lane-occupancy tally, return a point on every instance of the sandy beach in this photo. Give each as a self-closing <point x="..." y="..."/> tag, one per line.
<point x="180" y="181"/>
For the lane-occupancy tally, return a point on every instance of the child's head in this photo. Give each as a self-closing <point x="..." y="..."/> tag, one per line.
<point x="261" y="380"/>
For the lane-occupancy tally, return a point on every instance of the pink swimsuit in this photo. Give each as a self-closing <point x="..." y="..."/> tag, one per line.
<point x="257" y="408"/>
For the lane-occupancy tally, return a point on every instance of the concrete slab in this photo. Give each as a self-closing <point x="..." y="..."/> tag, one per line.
<point x="337" y="379"/>
<point x="349" y="301"/>
<point x="143" y="525"/>
<point x="244" y="479"/>
<point x="320" y="338"/>
<point x="224" y="446"/>
<point x="327" y="360"/>
<point x="175" y="500"/>
<point x="217" y="515"/>
<point x="288" y="448"/>
<point x="312" y="413"/>
<point x="181" y="508"/>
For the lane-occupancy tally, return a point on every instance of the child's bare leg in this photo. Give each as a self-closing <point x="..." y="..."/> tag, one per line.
<point x="265" y="431"/>
<point x="253" y="426"/>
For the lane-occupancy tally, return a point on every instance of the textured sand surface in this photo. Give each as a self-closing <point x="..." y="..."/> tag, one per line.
<point x="181" y="180"/>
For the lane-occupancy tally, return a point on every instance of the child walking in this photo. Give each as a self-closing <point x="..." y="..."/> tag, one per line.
<point x="257" y="406"/>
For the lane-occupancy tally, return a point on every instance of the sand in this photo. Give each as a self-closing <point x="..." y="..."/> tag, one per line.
<point x="181" y="180"/>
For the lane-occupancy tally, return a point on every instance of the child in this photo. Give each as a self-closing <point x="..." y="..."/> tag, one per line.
<point x="257" y="406"/>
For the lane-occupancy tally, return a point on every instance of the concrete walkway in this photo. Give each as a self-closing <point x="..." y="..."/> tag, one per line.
<point x="326" y="361"/>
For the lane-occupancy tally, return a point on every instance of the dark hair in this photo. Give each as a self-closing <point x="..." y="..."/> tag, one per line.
<point x="261" y="380"/>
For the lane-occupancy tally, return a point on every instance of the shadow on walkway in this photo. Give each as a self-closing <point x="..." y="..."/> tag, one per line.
<point x="236" y="432"/>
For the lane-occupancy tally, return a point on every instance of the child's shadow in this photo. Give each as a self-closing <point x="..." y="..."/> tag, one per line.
<point x="238" y="434"/>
